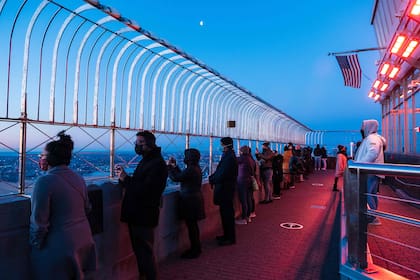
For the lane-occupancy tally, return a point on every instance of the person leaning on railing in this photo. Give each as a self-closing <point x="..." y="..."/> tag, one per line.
<point x="371" y="150"/>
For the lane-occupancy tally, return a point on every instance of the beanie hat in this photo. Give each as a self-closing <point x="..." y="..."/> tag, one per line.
<point x="227" y="141"/>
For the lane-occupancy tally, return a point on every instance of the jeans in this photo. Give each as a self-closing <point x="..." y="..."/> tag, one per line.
<point x="268" y="183"/>
<point x="372" y="188"/>
<point x="244" y="192"/>
<point x="317" y="162"/>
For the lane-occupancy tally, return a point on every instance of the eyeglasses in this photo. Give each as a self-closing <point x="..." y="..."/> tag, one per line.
<point x="137" y="142"/>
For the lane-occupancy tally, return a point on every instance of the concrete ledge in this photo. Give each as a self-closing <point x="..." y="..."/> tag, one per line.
<point x="115" y="259"/>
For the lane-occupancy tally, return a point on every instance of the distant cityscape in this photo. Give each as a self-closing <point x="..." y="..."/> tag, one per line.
<point x="90" y="165"/>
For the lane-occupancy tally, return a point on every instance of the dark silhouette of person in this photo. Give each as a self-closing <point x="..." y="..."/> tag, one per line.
<point x="224" y="182"/>
<point x="191" y="202"/>
<point x="141" y="202"/>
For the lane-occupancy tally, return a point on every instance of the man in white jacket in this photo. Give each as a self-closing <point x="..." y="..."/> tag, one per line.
<point x="371" y="150"/>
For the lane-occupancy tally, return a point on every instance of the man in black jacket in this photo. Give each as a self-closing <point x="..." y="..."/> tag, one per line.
<point x="224" y="182"/>
<point x="141" y="202"/>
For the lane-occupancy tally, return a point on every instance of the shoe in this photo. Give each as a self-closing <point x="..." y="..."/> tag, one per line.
<point x="249" y="220"/>
<point x="292" y="187"/>
<point x="269" y="201"/>
<point x="276" y="196"/>
<point x="191" y="254"/>
<point x="220" y="237"/>
<point x="226" y="242"/>
<point x="253" y="215"/>
<point x="375" y="222"/>
<point x="241" y="222"/>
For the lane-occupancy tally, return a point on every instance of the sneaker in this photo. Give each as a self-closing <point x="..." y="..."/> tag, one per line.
<point x="292" y="187"/>
<point x="248" y="220"/>
<point x="241" y="222"/>
<point x="375" y="222"/>
<point x="276" y="196"/>
<point x="253" y="215"/>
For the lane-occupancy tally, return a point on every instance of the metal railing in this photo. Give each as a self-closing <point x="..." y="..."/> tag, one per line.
<point x="82" y="64"/>
<point x="356" y="257"/>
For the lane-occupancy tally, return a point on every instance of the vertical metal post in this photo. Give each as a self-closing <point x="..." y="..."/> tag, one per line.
<point x="187" y="141"/>
<point x="406" y="143"/>
<point x="354" y="195"/>
<point x="238" y="145"/>
<point x="22" y="153"/>
<point x="112" y="151"/>
<point x="362" y="254"/>
<point x="413" y="124"/>
<point x="210" y="155"/>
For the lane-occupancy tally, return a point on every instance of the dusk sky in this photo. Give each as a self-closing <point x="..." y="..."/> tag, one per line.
<point x="278" y="50"/>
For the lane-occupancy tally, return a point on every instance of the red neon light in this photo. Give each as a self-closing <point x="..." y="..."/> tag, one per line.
<point x="415" y="10"/>
<point x="371" y="93"/>
<point x="394" y="72"/>
<point x="376" y="84"/>
<point x="377" y="97"/>
<point x="410" y="48"/>
<point x="384" y="87"/>
<point x="397" y="44"/>
<point x="384" y="68"/>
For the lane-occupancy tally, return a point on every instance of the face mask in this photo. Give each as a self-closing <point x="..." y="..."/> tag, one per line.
<point x="43" y="164"/>
<point x="139" y="149"/>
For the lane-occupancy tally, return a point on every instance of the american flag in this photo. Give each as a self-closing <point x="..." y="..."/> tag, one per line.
<point x="350" y="68"/>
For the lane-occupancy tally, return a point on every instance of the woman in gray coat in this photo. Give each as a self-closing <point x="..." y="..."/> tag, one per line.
<point x="60" y="236"/>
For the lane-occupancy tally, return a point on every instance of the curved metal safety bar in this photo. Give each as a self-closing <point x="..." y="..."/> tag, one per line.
<point x="121" y="76"/>
<point x="402" y="170"/>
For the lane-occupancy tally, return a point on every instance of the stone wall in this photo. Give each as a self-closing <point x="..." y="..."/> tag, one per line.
<point x="114" y="255"/>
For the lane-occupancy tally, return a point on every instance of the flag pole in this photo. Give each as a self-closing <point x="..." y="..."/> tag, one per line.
<point x="358" y="50"/>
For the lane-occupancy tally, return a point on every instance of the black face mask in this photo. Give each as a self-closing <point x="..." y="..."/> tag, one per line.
<point x="363" y="133"/>
<point x="139" y="149"/>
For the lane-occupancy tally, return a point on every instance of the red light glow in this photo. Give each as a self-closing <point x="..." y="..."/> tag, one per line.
<point x="376" y="84"/>
<point x="384" y="68"/>
<point x="384" y="87"/>
<point x="398" y="43"/>
<point x="410" y="48"/>
<point x="371" y="94"/>
<point x="394" y="72"/>
<point x="415" y="10"/>
<point x="377" y="97"/>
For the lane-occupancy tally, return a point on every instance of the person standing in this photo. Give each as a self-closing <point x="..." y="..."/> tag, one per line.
<point x="371" y="150"/>
<point x="60" y="235"/>
<point x="286" y="170"/>
<point x="324" y="158"/>
<point x="246" y="169"/>
<point x="191" y="202"/>
<point x="141" y="202"/>
<point x="277" y="175"/>
<point x="267" y="171"/>
<point x="317" y="157"/>
<point x="340" y="166"/>
<point x="224" y="182"/>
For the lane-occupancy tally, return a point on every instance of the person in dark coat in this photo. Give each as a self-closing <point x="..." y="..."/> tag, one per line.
<point x="224" y="182"/>
<point x="60" y="235"/>
<point x="191" y="202"/>
<point x="141" y="202"/>
<point x="277" y="174"/>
